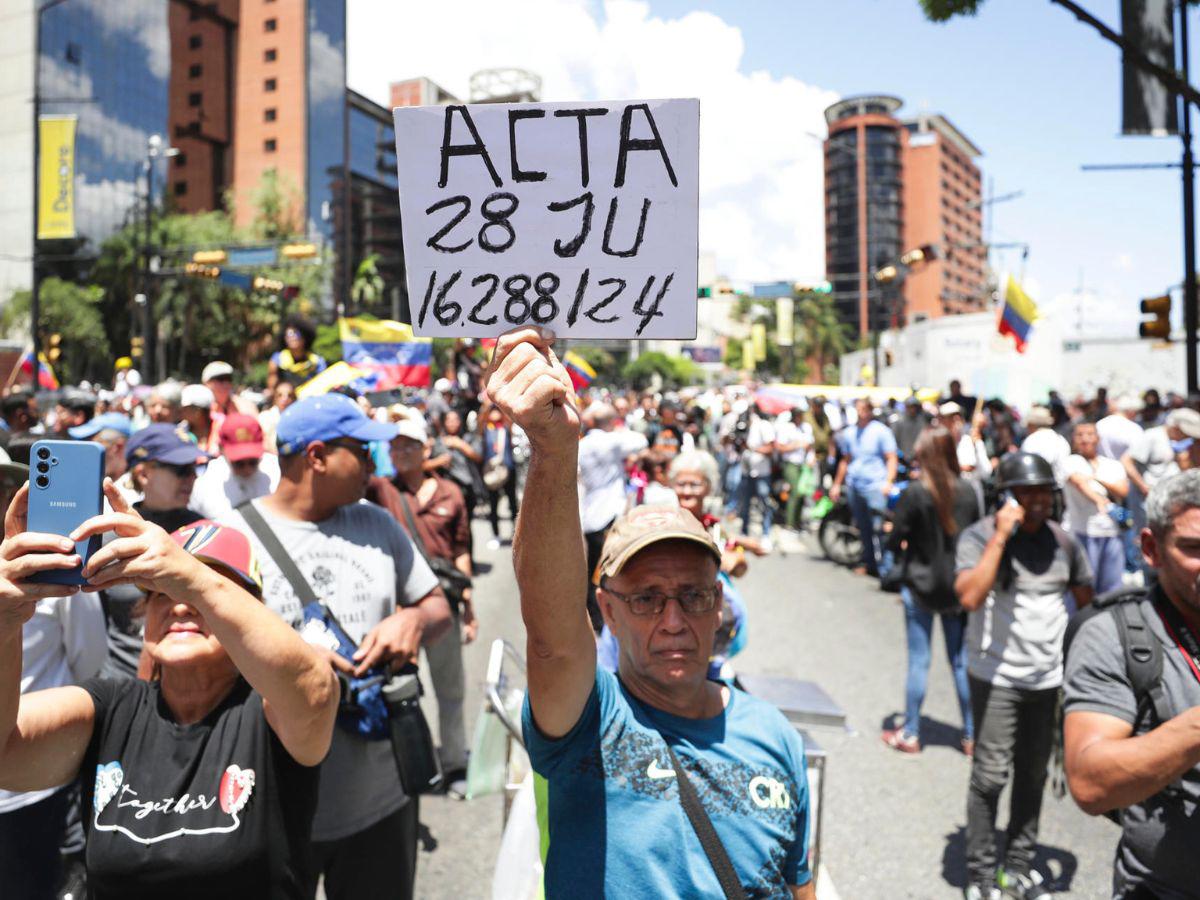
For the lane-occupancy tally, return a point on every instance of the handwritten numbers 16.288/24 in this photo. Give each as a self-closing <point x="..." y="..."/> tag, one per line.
<point x="520" y="299"/>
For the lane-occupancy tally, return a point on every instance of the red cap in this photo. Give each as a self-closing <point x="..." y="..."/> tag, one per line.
<point x="223" y="548"/>
<point x="241" y="437"/>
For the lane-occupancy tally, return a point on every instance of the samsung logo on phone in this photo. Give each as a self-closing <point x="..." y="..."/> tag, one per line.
<point x="68" y="504"/>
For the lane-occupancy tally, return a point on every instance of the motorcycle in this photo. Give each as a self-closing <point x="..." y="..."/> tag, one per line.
<point x="836" y="532"/>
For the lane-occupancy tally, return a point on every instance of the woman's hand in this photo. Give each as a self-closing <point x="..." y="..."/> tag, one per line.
<point x="142" y="553"/>
<point x="24" y="553"/>
<point x="470" y="624"/>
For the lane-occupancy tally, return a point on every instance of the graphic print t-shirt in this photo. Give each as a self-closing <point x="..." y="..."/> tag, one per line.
<point x="214" y="809"/>
<point x="362" y="565"/>
<point x="616" y="825"/>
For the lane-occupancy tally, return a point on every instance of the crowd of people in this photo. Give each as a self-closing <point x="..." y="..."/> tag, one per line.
<point x="272" y="566"/>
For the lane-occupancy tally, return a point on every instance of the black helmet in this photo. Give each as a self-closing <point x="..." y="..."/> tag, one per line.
<point x="1021" y="469"/>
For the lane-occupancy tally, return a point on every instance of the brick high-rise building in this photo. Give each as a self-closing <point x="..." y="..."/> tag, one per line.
<point x="892" y="186"/>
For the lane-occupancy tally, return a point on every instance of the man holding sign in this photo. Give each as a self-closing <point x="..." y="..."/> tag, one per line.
<point x="579" y="217"/>
<point x="661" y="783"/>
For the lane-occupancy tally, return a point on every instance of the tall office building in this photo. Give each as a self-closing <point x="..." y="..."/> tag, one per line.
<point x="892" y="186"/>
<point x="237" y="87"/>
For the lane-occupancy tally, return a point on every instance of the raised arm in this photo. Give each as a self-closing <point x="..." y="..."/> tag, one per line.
<point x="43" y="735"/>
<point x="533" y="389"/>
<point x="299" y="690"/>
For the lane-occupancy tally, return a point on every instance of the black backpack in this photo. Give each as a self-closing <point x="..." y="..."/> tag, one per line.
<point x="1143" y="652"/>
<point x="1143" y="664"/>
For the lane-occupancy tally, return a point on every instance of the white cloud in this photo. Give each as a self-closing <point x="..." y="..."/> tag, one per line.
<point x="327" y="80"/>
<point x="761" y="182"/>
<point x="140" y="23"/>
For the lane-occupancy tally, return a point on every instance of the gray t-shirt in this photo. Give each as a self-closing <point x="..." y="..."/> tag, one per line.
<point x="1153" y="456"/>
<point x="1015" y="639"/>
<point x="362" y="565"/>
<point x="1160" y="835"/>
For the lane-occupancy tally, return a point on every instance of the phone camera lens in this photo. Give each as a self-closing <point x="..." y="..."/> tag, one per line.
<point x="43" y="481"/>
<point x="54" y="461"/>
<point x="43" y="453"/>
<point x="43" y="467"/>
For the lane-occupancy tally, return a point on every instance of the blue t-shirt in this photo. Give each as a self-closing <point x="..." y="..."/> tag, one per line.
<point x="616" y="827"/>
<point x="866" y="446"/>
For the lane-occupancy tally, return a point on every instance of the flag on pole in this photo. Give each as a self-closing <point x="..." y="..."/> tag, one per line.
<point x="1018" y="314"/>
<point x="581" y="373"/>
<point x="387" y="350"/>
<point x="47" y="380"/>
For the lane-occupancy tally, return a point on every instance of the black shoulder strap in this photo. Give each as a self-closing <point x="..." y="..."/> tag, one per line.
<point x="287" y="567"/>
<point x="412" y="528"/>
<point x="1143" y="660"/>
<point x="713" y="848"/>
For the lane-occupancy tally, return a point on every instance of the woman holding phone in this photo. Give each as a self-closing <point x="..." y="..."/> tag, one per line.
<point x="201" y="781"/>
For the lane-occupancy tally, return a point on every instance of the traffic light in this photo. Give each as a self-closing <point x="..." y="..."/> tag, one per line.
<point x="55" y="348"/>
<point x="268" y="285"/>
<point x="1160" y="327"/>
<point x="887" y="274"/>
<point x="298" y="251"/>
<point x="135" y="347"/>
<point x="924" y="253"/>
<point x="200" y="270"/>
<point x="822" y="288"/>
<point x="210" y="257"/>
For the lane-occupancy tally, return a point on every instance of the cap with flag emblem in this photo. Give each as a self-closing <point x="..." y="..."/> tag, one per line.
<point x="223" y="548"/>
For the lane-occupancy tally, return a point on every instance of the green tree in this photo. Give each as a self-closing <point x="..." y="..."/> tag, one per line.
<point x="603" y="362"/>
<point x="277" y="205"/>
<point x="73" y="312"/>
<point x="822" y="337"/>
<point x="944" y="10"/>
<point x="675" y="371"/>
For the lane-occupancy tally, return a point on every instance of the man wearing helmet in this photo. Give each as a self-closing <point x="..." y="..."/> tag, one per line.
<point x="1013" y="571"/>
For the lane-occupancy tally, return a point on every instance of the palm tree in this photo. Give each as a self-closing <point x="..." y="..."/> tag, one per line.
<point x="822" y="335"/>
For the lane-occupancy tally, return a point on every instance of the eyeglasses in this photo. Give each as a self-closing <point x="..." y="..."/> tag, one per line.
<point x="183" y="470"/>
<point x="693" y="601"/>
<point x="358" y="448"/>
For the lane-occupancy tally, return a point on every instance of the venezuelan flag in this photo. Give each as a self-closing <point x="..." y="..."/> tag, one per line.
<point x="47" y="380"/>
<point x="388" y="350"/>
<point x="577" y="367"/>
<point x="1018" y="315"/>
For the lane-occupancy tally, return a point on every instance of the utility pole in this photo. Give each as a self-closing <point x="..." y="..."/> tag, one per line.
<point x="1191" y="313"/>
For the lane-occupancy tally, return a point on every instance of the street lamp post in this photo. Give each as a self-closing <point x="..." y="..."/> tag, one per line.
<point x="154" y="150"/>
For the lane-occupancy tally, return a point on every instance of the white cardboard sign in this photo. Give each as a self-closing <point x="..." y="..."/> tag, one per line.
<point x="578" y="216"/>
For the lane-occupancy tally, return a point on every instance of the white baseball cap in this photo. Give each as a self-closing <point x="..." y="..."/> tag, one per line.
<point x="196" y="395"/>
<point x="216" y="369"/>
<point x="412" y="427"/>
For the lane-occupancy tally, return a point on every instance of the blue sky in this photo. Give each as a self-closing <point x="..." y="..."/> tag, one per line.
<point x="1036" y="90"/>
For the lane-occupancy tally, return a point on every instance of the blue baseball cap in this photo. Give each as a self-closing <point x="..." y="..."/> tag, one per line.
<point x="109" y="421"/>
<point x="326" y="418"/>
<point x="164" y="443"/>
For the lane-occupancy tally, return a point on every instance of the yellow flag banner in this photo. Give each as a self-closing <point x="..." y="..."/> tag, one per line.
<point x="56" y="178"/>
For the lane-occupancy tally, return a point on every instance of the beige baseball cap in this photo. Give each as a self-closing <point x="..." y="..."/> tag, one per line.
<point x="648" y="525"/>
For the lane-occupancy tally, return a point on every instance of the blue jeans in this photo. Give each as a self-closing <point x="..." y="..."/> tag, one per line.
<point x="866" y="508"/>
<point x="1107" y="557"/>
<point x="918" y="623"/>
<point x="733" y="485"/>
<point x="759" y="487"/>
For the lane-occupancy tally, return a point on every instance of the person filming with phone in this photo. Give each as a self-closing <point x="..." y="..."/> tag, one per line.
<point x="202" y="780"/>
<point x="1012" y="572"/>
<point x="689" y="787"/>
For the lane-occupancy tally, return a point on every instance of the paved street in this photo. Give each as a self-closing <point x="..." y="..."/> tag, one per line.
<point x="893" y="823"/>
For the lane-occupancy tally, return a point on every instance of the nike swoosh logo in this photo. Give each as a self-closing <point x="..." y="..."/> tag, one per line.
<point x="653" y="771"/>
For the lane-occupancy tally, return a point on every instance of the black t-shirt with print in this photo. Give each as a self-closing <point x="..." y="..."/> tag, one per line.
<point x="214" y="809"/>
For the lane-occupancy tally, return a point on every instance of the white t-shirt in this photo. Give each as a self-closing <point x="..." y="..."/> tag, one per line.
<point x="602" y="457"/>
<point x="788" y="432"/>
<point x="1117" y="434"/>
<point x="64" y="643"/>
<point x="218" y="490"/>
<point x="361" y="563"/>
<point x="973" y="454"/>
<point x="761" y="433"/>
<point x="1084" y="515"/>
<point x="1050" y="446"/>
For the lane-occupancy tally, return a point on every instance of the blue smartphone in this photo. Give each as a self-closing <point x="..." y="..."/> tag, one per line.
<point x="66" y="488"/>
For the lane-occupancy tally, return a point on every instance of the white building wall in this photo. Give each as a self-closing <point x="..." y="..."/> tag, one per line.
<point x="16" y="145"/>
